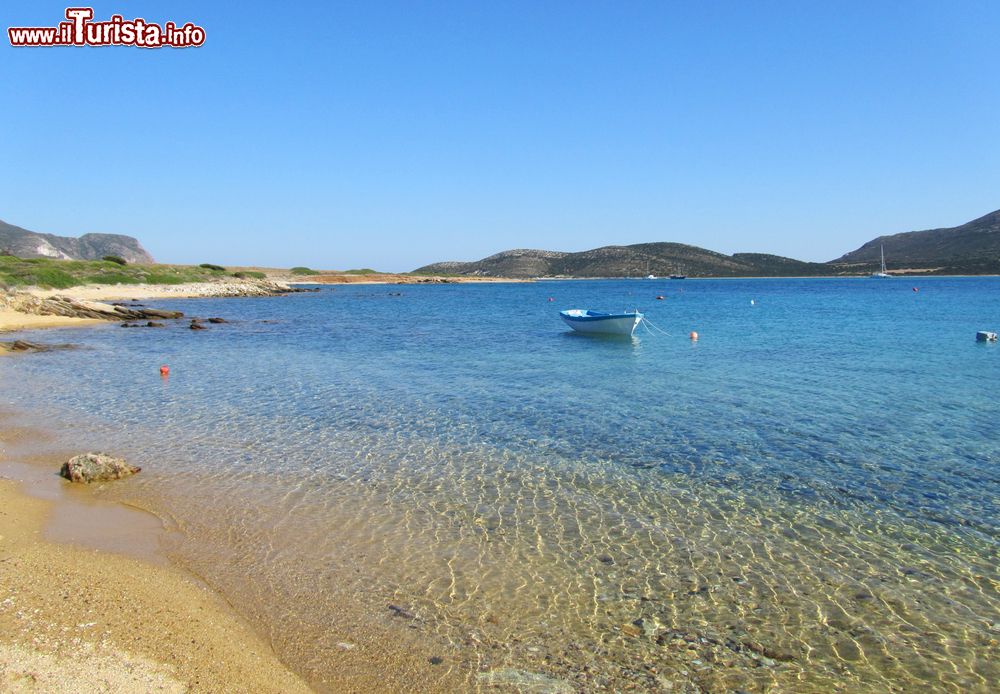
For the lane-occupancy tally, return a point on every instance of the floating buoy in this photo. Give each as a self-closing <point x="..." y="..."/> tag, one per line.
<point x="551" y="299"/>
<point x="752" y="302"/>
<point x="693" y="335"/>
<point x="916" y="289"/>
<point x="164" y="370"/>
<point x="660" y="298"/>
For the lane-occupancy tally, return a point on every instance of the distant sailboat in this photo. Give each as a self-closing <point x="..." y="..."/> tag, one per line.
<point x="881" y="274"/>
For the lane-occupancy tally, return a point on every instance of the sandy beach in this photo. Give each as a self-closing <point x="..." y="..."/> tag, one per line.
<point x="89" y="602"/>
<point x="20" y="310"/>
<point x="15" y="320"/>
<point x="87" y="606"/>
<point x="12" y="319"/>
<point x="75" y="619"/>
<point x="130" y="292"/>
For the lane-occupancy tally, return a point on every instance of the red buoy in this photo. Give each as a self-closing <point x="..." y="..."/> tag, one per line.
<point x="693" y="335"/>
<point x="164" y="370"/>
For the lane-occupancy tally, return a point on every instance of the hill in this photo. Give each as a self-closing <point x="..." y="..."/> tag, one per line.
<point x="972" y="248"/>
<point x="637" y="260"/>
<point x="31" y="244"/>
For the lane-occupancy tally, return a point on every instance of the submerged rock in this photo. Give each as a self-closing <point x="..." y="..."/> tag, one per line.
<point x="25" y="346"/>
<point x="96" y="467"/>
<point x="401" y="612"/>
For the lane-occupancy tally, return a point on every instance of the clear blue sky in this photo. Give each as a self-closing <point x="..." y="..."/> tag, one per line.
<point x="390" y="135"/>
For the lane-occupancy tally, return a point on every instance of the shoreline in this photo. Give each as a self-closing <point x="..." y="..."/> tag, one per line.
<point x="14" y="321"/>
<point x="75" y="617"/>
<point x="362" y="652"/>
<point x="89" y="595"/>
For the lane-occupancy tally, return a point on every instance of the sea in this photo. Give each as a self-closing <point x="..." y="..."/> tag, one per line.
<point x="804" y="498"/>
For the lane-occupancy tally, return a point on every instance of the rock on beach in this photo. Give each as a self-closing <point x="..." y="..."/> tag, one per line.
<point x="96" y="467"/>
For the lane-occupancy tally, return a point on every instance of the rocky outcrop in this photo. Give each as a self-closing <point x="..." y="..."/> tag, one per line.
<point x="80" y="308"/>
<point x="31" y="244"/>
<point x="96" y="467"/>
<point x="25" y="346"/>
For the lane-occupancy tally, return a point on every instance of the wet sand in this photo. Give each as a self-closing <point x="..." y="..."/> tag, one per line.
<point x="75" y="619"/>
<point x="15" y="320"/>
<point x="89" y="601"/>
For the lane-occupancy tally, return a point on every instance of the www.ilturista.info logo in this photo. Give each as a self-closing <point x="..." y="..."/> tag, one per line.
<point x="117" y="31"/>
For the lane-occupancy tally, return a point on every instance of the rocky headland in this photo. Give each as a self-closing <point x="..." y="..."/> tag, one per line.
<point x="44" y="308"/>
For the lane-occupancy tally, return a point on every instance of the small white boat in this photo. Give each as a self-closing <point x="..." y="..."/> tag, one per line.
<point x="882" y="273"/>
<point x="598" y="323"/>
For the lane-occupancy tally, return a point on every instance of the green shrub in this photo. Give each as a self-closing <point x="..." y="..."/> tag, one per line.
<point x="243" y="274"/>
<point x="115" y="259"/>
<point x="112" y="278"/>
<point x="210" y="266"/>
<point x="163" y="278"/>
<point x="49" y="277"/>
<point x="299" y="270"/>
<point x="360" y="271"/>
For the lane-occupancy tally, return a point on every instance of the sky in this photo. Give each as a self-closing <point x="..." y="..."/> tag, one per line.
<point x="343" y="135"/>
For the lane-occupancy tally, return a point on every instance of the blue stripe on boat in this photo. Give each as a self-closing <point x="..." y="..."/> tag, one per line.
<point x="596" y="315"/>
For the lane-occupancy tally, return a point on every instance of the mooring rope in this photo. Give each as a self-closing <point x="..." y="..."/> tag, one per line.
<point x="646" y="323"/>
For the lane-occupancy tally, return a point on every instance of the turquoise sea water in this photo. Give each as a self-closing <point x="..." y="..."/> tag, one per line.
<point x="807" y="498"/>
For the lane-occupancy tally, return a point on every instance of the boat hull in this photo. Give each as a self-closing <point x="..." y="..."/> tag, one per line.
<point x="594" y="323"/>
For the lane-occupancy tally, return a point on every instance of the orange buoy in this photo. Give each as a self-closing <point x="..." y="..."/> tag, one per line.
<point x="164" y="370"/>
<point x="693" y="335"/>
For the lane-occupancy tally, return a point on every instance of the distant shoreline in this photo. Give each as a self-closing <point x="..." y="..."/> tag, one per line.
<point x="13" y="319"/>
<point x="753" y="277"/>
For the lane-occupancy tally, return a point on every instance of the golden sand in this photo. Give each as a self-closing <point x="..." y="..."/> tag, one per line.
<point x="80" y="620"/>
<point x="15" y="320"/>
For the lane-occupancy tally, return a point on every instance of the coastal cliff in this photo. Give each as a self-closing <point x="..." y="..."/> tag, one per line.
<point x="23" y="243"/>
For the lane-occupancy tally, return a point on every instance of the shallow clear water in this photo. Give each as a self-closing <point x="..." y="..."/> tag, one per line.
<point x="807" y="497"/>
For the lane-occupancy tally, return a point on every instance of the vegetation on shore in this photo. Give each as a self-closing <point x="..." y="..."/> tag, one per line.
<point x="61" y="274"/>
